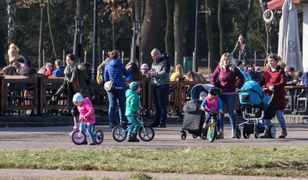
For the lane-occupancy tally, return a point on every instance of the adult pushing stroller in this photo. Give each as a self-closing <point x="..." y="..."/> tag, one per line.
<point x="193" y="117"/>
<point x="255" y="106"/>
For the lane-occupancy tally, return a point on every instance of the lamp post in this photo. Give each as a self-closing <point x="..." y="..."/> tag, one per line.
<point x="77" y="47"/>
<point x="136" y="32"/>
<point x="94" y="43"/>
<point x="194" y="63"/>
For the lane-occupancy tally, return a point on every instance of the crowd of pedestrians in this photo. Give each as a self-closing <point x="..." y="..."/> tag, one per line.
<point x="229" y="76"/>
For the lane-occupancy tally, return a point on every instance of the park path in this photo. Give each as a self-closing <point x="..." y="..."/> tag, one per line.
<point x="37" y="138"/>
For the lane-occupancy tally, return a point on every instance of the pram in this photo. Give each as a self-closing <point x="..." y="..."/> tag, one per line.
<point x="255" y="106"/>
<point x="193" y="117"/>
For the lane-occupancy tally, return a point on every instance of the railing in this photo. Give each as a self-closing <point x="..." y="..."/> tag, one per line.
<point x="22" y="95"/>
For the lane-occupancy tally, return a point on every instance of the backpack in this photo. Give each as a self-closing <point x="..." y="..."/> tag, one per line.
<point x="100" y="73"/>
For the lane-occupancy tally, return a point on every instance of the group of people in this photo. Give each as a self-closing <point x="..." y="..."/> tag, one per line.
<point x="229" y="79"/>
<point x="227" y="76"/>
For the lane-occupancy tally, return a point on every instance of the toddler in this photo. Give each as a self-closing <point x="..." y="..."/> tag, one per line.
<point x="213" y="103"/>
<point x="86" y="115"/>
<point x="132" y="107"/>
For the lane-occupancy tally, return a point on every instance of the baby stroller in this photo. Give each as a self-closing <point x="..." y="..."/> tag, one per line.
<point x="193" y="117"/>
<point x="255" y="106"/>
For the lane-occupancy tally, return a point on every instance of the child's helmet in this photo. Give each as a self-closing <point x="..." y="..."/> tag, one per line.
<point x="214" y="92"/>
<point x="134" y="86"/>
<point x="77" y="98"/>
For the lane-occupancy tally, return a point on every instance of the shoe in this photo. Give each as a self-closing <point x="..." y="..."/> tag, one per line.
<point x="133" y="138"/>
<point x="267" y="134"/>
<point x="283" y="133"/>
<point x="233" y="135"/>
<point x="93" y="143"/>
<point x="85" y="142"/>
<point x="220" y="135"/>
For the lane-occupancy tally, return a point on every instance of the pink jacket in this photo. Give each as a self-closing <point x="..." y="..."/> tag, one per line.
<point x="86" y="111"/>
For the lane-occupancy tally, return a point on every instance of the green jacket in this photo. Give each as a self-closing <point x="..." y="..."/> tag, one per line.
<point x="132" y="102"/>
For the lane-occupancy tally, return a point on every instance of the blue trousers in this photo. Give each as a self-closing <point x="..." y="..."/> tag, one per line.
<point x="116" y="98"/>
<point x="229" y="103"/>
<point x="89" y="127"/>
<point x="280" y="117"/>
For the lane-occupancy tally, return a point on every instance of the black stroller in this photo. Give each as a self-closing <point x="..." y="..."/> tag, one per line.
<point x="193" y="117"/>
<point x="255" y="106"/>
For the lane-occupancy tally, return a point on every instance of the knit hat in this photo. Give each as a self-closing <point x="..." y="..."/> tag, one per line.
<point x="77" y="98"/>
<point x="134" y="86"/>
<point x="145" y="66"/>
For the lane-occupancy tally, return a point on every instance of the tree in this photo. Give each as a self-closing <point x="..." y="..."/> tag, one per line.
<point x="169" y="38"/>
<point x="179" y="30"/>
<point x="151" y="28"/>
<point x="11" y="12"/>
<point x="221" y="27"/>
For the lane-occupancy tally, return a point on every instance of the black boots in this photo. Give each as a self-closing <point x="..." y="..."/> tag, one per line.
<point x="283" y="133"/>
<point x="267" y="134"/>
<point x="133" y="138"/>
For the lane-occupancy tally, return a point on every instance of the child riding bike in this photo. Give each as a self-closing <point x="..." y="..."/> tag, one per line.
<point x="86" y="115"/>
<point x="132" y="107"/>
<point x="213" y="103"/>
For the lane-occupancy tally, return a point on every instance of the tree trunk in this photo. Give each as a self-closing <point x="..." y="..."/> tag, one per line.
<point x="50" y="30"/>
<point x="11" y="12"/>
<point x="151" y="28"/>
<point x="220" y="27"/>
<point x="247" y="17"/>
<point x="179" y="30"/>
<point x="40" y="49"/>
<point x="209" y="37"/>
<point x="169" y="40"/>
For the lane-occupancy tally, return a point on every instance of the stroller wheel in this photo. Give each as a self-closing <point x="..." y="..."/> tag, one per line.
<point x="203" y="134"/>
<point x="272" y="129"/>
<point x="183" y="135"/>
<point x="246" y="135"/>
<point x="194" y="136"/>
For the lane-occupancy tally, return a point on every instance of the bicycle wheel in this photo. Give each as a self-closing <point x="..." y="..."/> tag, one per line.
<point x="78" y="139"/>
<point x="146" y="133"/>
<point x="99" y="136"/>
<point x="119" y="133"/>
<point x="211" y="133"/>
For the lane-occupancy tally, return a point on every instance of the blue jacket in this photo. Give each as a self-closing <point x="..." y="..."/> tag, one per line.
<point x="110" y="70"/>
<point x="59" y="72"/>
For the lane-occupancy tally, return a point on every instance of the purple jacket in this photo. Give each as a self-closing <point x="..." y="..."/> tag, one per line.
<point x="227" y="80"/>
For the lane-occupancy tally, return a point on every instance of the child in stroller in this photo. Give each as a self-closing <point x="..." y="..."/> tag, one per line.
<point x="255" y="106"/>
<point x="193" y="117"/>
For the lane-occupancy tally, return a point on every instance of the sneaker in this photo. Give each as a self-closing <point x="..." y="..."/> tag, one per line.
<point x="233" y="135"/>
<point x="220" y="135"/>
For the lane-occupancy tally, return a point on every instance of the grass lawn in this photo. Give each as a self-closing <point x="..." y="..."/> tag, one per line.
<point x="265" y="161"/>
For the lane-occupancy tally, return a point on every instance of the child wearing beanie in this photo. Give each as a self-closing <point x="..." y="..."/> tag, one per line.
<point x="86" y="115"/>
<point x="132" y="107"/>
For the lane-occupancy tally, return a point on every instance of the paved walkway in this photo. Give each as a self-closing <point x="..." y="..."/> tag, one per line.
<point x="36" y="138"/>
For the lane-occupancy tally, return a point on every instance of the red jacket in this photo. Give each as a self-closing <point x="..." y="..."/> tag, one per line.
<point x="278" y="80"/>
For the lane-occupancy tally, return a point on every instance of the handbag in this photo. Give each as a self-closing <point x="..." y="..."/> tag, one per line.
<point x="108" y="85"/>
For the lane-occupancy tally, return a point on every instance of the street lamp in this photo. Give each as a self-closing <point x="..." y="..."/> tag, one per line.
<point x="78" y="30"/>
<point x="136" y="32"/>
<point x="194" y="63"/>
<point x="94" y="41"/>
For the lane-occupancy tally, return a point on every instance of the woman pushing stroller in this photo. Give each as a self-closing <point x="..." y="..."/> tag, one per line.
<point x="273" y="78"/>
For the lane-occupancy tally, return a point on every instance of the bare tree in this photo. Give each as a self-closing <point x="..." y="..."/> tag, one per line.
<point x="11" y="12"/>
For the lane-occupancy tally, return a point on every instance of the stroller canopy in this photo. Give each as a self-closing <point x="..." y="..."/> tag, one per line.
<point x="198" y="88"/>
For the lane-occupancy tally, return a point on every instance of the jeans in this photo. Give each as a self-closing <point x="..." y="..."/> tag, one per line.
<point x="160" y="95"/>
<point x="89" y="127"/>
<point x="229" y="101"/>
<point x="134" y="124"/>
<point x="280" y="116"/>
<point x="115" y="98"/>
